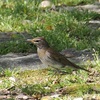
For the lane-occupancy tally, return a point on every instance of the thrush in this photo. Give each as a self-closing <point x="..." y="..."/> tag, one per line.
<point x="50" y="57"/>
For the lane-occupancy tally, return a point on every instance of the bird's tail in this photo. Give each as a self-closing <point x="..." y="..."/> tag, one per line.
<point x="78" y="67"/>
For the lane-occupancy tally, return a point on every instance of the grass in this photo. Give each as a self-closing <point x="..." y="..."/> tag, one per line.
<point x="62" y="29"/>
<point x="69" y="85"/>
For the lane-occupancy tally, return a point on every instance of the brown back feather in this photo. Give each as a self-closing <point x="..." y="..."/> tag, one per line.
<point x="62" y="59"/>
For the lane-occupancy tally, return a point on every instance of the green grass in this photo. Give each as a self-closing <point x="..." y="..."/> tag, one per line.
<point x="62" y="29"/>
<point x="70" y="85"/>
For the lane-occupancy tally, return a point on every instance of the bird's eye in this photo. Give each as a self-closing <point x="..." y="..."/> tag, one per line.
<point x="36" y="40"/>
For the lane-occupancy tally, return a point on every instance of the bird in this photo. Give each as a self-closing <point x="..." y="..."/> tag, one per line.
<point x="50" y="57"/>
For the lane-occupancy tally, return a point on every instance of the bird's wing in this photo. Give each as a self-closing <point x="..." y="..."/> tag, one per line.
<point x="56" y="56"/>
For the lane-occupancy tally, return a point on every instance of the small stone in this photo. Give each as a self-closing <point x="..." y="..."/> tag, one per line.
<point x="46" y="98"/>
<point x="46" y="4"/>
<point x="22" y="96"/>
<point x="25" y="97"/>
<point x="80" y="98"/>
<point x="3" y="97"/>
<point x="12" y="79"/>
<point x="0" y="81"/>
<point x="55" y="95"/>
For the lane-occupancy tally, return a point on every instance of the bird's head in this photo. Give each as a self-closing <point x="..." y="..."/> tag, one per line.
<point x="40" y="42"/>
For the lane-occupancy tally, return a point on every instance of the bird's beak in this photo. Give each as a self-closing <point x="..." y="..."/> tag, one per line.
<point x="29" y="40"/>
